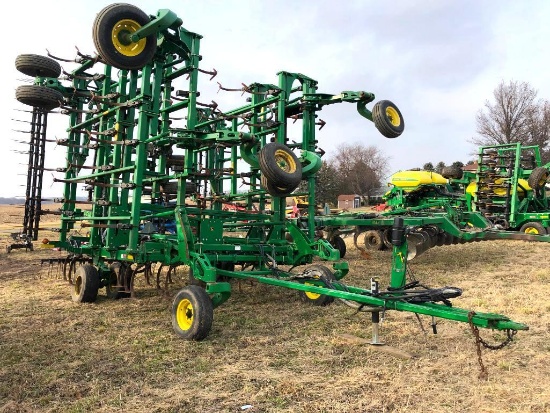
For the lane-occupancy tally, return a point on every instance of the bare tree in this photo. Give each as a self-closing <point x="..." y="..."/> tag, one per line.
<point x="509" y="119"/>
<point x="539" y="129"/>
<point x="327" y="184"/>
<point x="360" y="169"/>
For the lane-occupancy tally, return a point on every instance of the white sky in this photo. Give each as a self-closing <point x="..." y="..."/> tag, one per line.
<point x="437" y="60"/>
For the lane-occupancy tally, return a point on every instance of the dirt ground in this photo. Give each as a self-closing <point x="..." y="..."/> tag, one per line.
<point x="270" y="352"/>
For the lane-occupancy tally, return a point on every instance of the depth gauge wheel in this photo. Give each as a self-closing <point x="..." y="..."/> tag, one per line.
<point x="35" y="65"/>
<point x="280" y="166"/>
<point x="192" y="313"/>
<point x="111" y="32"/>
<point x="388" y="119"/>
<point x="533" y="228"/>
<point x="321" y="277"/>
<point x="86" y="284"/>
<point x="39" y="96"/>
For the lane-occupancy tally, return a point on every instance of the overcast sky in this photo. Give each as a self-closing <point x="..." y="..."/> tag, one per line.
<point x="437" y="60"/>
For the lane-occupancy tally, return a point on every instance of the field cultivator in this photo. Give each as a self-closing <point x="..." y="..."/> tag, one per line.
<point x="160" y="168"/>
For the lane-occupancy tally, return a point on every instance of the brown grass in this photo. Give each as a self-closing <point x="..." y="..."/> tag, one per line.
<point x="268" y="349"/>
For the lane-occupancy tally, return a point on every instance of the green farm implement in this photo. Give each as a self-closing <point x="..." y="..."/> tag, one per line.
<point x="160" y="166"/>
<point x="508" y="189"/>
<point x="505" y="198"/>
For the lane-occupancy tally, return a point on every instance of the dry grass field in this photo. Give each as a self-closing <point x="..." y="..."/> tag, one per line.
<point x="269" y="350"/>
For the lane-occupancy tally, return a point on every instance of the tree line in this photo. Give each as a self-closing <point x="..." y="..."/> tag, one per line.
<point x="514" y="115"/>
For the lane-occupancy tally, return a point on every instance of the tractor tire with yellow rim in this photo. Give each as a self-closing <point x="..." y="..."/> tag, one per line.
<point x="321" y="276"/>
<point x="280" y="166"/>
<point x="272" y="189"/>
<point x="388" y="119"/>
<point x="86" y="284"/>
<point x="533" y="228"/>
<point x="192" y="313"/>
<point x="111" y="32"/>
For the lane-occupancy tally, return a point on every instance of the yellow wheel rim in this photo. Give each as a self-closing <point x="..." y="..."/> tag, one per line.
<point x="184" y="314"/>
<point x="121" y="38"/>
<point x="532" y="231"/>
<point x="311" y="296"/>
<point x="393" y="116"/>
<point x="285" y="161"/>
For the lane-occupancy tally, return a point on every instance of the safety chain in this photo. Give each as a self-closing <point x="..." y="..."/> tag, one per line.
<point x="484" y="374"/>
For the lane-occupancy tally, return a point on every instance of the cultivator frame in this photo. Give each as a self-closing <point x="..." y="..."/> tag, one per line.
<point x="126" y="141"/>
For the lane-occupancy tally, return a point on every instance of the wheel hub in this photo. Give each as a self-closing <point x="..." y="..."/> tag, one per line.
<point x="185" y="314"/>
<point x="121" y="38"/>
<point x="393" y="116"/>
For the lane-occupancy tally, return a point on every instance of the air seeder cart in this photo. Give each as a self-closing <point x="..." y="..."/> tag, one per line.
<point x="159" y="163"/>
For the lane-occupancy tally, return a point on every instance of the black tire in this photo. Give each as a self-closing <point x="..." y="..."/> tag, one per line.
<point x="533" y="228"/>
<point x="373" y="240"/>
<point x="274" y="190"/>
<point x="39" y="96"/>
<point x="35" y="65"/>
<point x="538" y="178"/>
<point x="388" y="119"/>
<point x="192" y="313"/>
<point x="124" y="273"/>
<point x="452" y="172"/>
<point x="338" y="243"/>
<point x="121" y="18"/>
<point x="322" y="276"/>
<point x="280" y="166"/>
<point x="86" y="284"/>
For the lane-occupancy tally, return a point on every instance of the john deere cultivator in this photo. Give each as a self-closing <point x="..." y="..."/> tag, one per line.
<point x="160" y="166"/>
